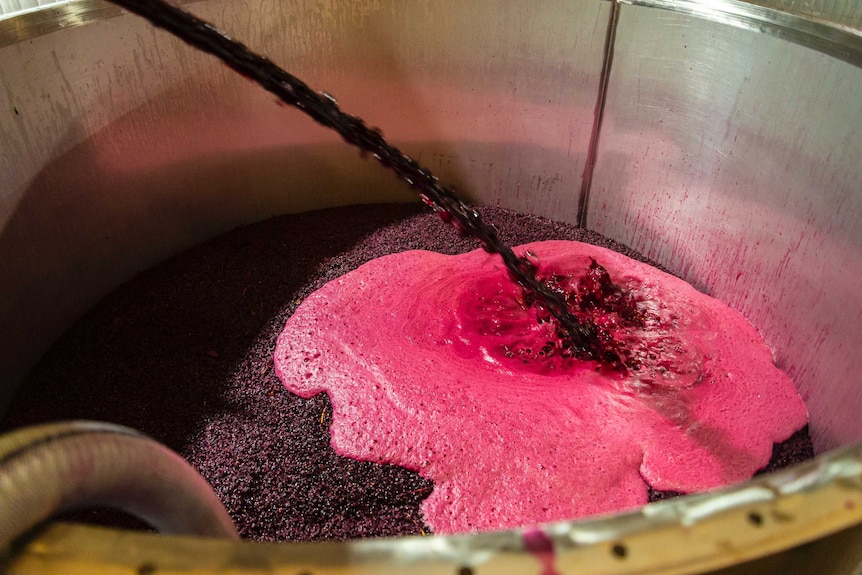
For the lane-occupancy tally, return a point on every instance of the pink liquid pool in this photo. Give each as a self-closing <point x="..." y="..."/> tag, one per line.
<point x="437" y="364"/>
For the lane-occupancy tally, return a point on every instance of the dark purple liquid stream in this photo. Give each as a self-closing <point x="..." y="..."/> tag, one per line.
<point x="580" y="336"/>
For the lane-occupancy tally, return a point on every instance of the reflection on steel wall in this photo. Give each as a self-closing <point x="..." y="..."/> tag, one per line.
<point x="732" y="157"/>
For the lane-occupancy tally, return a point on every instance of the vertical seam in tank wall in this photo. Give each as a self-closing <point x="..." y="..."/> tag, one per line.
<point x="592" y="151"/>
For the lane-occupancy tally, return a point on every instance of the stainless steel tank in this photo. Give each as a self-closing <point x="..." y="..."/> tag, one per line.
<point x="721" y="138"/>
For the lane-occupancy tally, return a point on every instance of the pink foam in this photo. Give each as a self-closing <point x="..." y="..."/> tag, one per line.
<point x="409" y="348"/>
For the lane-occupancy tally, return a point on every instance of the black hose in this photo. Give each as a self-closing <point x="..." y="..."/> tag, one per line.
<point x="580" y="336"/>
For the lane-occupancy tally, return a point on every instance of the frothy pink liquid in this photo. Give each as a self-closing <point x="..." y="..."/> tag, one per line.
<point x="433" y="363"/>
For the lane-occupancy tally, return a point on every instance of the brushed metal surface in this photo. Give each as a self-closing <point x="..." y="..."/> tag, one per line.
<point x="733" y="158"/>
<point x="122" y="151"/>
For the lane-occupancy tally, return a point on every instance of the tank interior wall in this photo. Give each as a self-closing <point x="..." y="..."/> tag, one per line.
<point x="732" y="158"/>
<point x="724" y="153"/>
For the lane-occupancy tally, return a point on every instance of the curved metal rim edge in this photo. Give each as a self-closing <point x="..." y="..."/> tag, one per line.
<point x="829" y="38"/>
<point x="38" y="22"/>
